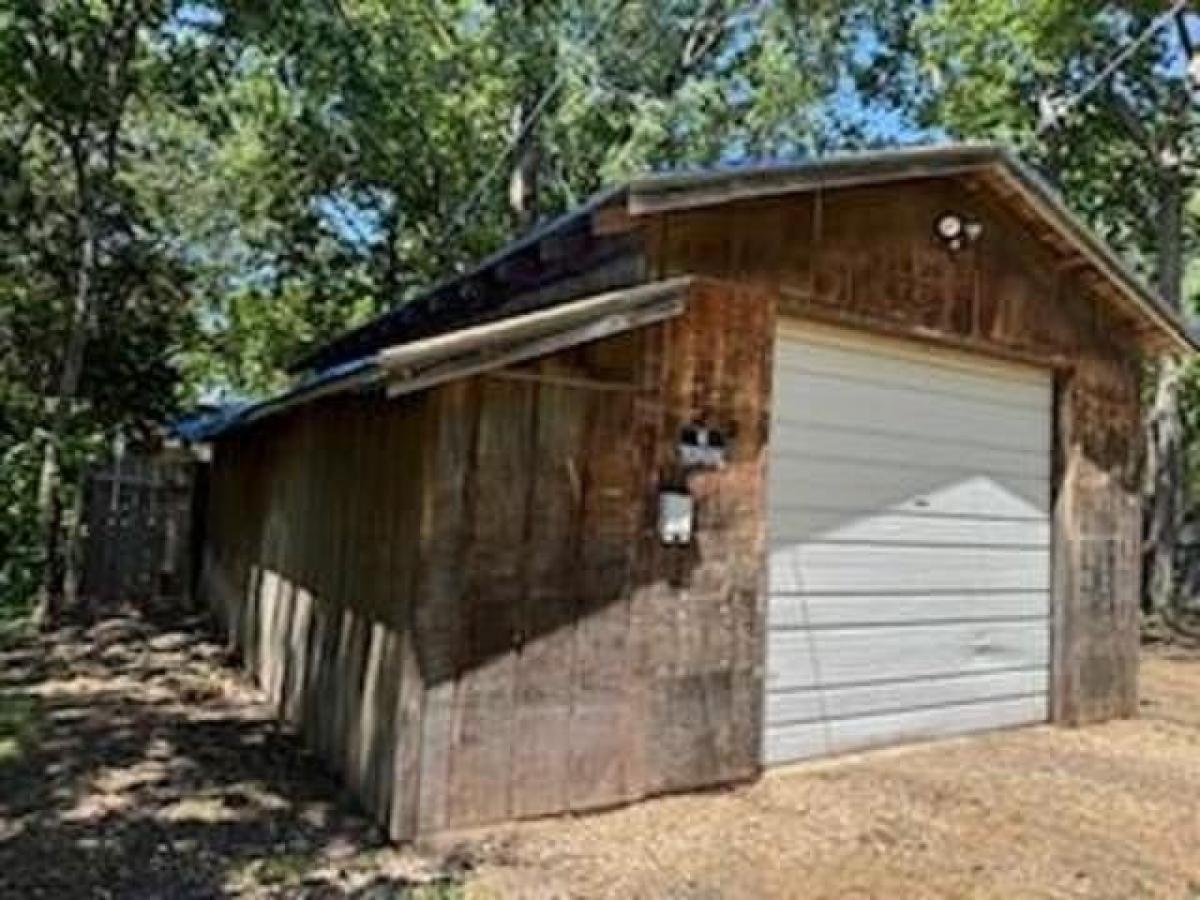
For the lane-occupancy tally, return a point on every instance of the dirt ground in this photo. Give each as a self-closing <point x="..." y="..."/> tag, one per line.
<point x="1108" y="811"/>
<point x="134" y="764"/>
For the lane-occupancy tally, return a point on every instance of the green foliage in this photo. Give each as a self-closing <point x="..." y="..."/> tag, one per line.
<point x="256" y="175"/>
<point x="77" y="83"/>
<point x="18" y="528"/>
<point x="261" y="174"/>
<point x="364" y="146"/>
<point x="981" y="69"/>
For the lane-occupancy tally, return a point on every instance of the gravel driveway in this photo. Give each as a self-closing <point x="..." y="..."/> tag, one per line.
<point x="1106" y="811"/>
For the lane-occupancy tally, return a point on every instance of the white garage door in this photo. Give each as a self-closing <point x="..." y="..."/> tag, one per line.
<point x="909" y="544"/>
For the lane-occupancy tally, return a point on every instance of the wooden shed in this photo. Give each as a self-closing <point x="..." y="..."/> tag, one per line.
<point x="720" y="471"/>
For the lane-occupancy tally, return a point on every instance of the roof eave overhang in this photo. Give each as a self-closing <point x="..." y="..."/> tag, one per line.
<point x="1172" y="331"/>
<point x="423" y="364"/>
<point x="420" y="365"/>
<point x="673" y="191"/>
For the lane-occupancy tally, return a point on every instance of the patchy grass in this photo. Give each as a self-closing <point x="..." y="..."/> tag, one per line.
<point x="366" y="874"/>
<point x="18" y="725"/>
<point x="15" y="627"/>
<point x="280" y="871"/>
<point x="437" y="892"/>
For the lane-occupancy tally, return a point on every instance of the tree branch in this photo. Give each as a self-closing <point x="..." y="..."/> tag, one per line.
<point x="706" y="33"/>
<point x="1185" y="35"/>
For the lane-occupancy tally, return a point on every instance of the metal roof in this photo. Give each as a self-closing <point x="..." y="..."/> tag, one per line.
<point x="442" y="307"/>
<point x="206" y="426"/>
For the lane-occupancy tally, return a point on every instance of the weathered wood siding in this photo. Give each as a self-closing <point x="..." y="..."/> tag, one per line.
<point x="311" y="567"/>
<point x="461" y="596"/>
<point x="868" y="258"/>
<point x="572" y="662"/>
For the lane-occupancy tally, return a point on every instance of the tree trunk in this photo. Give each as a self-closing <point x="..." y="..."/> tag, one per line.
<point x="524" y="177"/>
<point x="523" y="181"/>
<point x="1165" y="470"/>
<point x="1164" y="482"/>
<point x="49" y="498"/>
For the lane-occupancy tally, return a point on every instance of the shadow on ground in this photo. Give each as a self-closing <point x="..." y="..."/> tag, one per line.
<point x="134" y="763"/>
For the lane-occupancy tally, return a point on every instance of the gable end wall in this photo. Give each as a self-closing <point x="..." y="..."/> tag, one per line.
<point x="867" y="258"/>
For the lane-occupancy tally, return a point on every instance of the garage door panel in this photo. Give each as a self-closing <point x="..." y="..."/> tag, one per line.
<point x="876" y="569"/>
<point x="793" y="742"/>
<point x="801" y="525"/>
<point x="881" y="449"/>
<point x="909" y="543"/>
<point x="820" y="657"/>
<point x="791" y="611"/>
<point x="840" y="405"/>
<point x="814" y="704"/>
<point x="799" y="483"/>
<point x="910" y="367"/>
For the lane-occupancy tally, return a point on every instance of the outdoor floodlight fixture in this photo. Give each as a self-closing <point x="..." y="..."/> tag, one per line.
<point x="956" y="231"/>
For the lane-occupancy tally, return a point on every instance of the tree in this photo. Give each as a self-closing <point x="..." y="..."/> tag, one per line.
<point x="1101" y="96"/>
<point x="374" y="147"/>
<point x="195" y="190"/>
<point x="74" y="80"/>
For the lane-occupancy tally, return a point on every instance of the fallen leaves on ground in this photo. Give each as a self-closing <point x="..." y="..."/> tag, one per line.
<point x="136" y="762"/>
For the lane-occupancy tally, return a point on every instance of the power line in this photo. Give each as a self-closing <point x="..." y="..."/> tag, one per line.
<point x="1054" y="111"/>
<point x="457" y="219"/>
<point x="560" y="80"/>
<point x="481" y="186"/>
<point x="477" y="194"/>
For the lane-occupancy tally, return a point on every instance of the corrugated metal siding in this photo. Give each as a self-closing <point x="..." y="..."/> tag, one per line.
<point x="910" y="544"/>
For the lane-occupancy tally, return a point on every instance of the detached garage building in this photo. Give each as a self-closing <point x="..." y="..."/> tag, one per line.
<point x="721" y="471"/>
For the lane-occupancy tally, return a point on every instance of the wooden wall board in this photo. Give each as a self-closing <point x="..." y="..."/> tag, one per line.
<point x="545" y="638"/>
<point x="408" y="460"/>
<point x="439" y="620"/>
<point x="482" y="736"/>
<point x="305" y="581"/>
<point x="609" y="519"/>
